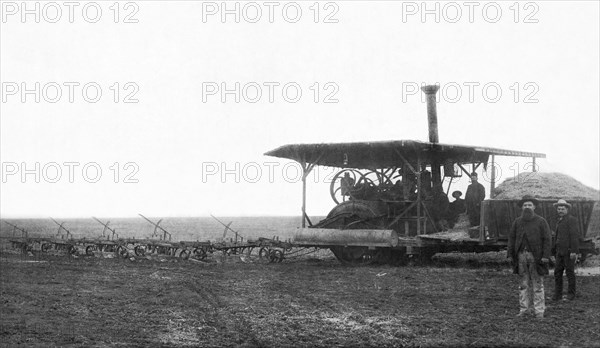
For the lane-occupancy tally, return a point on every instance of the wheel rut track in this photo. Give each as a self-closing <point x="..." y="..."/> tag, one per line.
<point x="218" y="312"/>
<point x="317" y="302"/>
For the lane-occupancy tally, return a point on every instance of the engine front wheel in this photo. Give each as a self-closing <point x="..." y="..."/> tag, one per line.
<point x="356" y="256"/>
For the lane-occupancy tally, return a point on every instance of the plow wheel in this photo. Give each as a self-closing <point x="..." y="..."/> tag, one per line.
<point x="184" y="254"/>
<point x="263" y="253"/>
<point x="72" y="250"/>
<point x="122" y="251"/>
<point x="89" y="250"/>
<point x="140" y="250"/>
<point x="258" y="254"/>
<point x="275" y="255"/>
<point x="21" y="246"/>
<point x="199" y="254"/>
<point x="356" y="256"/>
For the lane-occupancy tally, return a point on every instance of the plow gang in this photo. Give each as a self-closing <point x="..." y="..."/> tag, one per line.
<point x="529" y="244"/>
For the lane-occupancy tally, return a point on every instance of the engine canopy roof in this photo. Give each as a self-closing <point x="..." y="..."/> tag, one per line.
<point x="386" y="154"/>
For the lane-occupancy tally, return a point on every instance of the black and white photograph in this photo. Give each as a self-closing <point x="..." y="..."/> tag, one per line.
<point x="308" y="173"/>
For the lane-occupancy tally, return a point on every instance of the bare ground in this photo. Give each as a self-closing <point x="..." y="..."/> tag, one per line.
<point x="93" y="302"/>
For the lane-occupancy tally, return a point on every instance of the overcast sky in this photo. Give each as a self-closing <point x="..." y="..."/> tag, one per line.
<point x="170" y="139"/>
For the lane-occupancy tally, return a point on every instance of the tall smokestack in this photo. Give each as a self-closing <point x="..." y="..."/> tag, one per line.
<point x="430" y="92"/>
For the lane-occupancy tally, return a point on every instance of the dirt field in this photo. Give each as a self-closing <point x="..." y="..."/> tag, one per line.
<point x="92" y="302"/>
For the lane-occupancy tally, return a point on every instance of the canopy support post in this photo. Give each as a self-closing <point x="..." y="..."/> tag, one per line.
<point x="306" y="169"/>
<point x="405" y="194"/>
<point x="493" y="180"/>
<point x="418" y="197"/>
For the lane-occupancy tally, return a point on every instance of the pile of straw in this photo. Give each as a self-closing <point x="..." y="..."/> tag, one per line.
<point x="545" y="186"/>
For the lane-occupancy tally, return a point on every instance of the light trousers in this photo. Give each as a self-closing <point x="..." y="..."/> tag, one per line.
<point x="531" y="289"/>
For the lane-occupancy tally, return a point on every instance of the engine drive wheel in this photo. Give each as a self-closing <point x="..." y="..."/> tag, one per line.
<point x="356" y="256"/>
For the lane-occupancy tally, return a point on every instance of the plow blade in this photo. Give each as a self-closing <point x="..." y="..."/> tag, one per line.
<point x="335" y="237"/>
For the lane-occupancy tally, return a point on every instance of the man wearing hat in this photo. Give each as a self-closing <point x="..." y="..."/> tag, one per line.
<point x="474" y="196"/>
<point x="456" y="208"/>
<point x="529" y="244"/>
<point x="566" y="248"/>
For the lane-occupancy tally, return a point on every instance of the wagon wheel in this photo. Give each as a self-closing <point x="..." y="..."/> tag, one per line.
<point x="199" y="254"/>
<point x="342" y="184"/>
<point x="89" y="250"/>
<point x="139" y="250"/>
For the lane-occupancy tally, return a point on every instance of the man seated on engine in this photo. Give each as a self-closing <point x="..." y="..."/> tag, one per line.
<point x="347" y="184"/>
<point x="395" y="192"/>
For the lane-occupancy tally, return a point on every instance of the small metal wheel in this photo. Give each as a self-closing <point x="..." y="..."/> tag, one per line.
<point x="122" y="251"/>
<point x="263" y="254"/>
<point x="199" y="254"/>
<point x="72" y="250"/>
<point x="184" y="254"/>
<point x="89" y="250"/>
<point x="139" y="250"/>
<point x="275" y="255"/>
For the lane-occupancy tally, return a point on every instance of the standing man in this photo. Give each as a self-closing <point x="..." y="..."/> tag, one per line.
<point x="474" y="196"/>
<point x="529" y="244"/>
<point x="566" y="248"/>
<point x="457" y="207"/>
<point x="438" y="207"/>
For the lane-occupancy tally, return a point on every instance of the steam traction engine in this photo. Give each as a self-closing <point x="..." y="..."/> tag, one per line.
<point x="384" y="195"/>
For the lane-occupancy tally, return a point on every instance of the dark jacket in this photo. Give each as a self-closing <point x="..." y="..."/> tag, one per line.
<point x="566" y="236"/>
<point x="475" y="194"/>
<point x="457" y="207"/>
<point x="538" y="234"/>
<point x="439" y="205"/>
